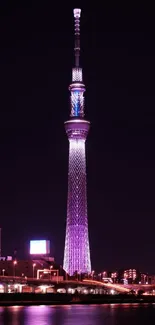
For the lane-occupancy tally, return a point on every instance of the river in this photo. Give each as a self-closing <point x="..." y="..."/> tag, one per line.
<point x="110" y="314"/>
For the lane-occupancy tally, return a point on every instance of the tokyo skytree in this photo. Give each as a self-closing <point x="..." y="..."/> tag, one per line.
<point x="77" y="252"/>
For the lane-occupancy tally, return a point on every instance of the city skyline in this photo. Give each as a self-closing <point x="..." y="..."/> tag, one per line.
<point x="118" y="59"/>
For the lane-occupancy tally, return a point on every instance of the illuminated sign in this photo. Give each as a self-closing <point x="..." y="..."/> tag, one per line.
<point x="39" y="247"/>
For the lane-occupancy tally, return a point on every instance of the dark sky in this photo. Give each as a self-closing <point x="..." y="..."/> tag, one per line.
<point x="118" y="59"/>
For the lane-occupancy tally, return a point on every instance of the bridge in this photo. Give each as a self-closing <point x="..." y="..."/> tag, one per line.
<point x="19" y="284"/>
<point x="125" y="288"/>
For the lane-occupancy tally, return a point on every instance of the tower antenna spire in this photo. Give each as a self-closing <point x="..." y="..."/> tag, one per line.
<point x="77" y="87"/>
<point x="77" y="14"/>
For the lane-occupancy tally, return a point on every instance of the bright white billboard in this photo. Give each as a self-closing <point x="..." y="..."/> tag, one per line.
<point x="39" y="247"/>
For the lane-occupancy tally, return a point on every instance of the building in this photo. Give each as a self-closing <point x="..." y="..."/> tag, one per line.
<point x="151" y="279"/>
<point x="114" y="276"/>
<point x="143" y="278"/>
<point x="43" y="268"/>
<point x="77" y="252"/>
<point x="130" y="275"/>
<point x="20" y="268"/>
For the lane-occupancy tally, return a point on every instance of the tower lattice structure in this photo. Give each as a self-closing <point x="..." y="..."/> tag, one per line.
<point x="77" y="251"/>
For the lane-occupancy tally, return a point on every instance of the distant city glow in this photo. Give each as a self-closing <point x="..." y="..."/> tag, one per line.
<point x="39" y="247"/>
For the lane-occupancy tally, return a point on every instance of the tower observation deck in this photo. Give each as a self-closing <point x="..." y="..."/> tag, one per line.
<point x="77" y="252"/>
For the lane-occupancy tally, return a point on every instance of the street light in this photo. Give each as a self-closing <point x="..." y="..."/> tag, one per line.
<point x="66" y="276"/>
<point x="34" y="264"/>
<point x="51" y="268"/>
<point x="14" y="269"/>
<point x="100" y="275"/>
<point x="79" y="277"/>
<point x="56" y="273"/>
<point x="3" y="271"/>
<point x="92" y="273"/>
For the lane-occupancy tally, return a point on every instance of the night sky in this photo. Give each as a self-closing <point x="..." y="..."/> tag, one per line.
<point x="118" y="60"/>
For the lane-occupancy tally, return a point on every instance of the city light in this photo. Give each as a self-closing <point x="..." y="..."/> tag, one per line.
<point x="34" y="265"/>
<point x="14" y="268"/>
<point x="39" y="247"/>
<point x="76" y="74"/>
<point x="77" y="13"/>
<point x="43" y="288"/>
<point x="75" y="145"/>
<point x="36" y="275"/>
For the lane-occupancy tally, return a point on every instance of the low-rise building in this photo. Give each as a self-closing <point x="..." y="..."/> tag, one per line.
<point x="25" y="268"/>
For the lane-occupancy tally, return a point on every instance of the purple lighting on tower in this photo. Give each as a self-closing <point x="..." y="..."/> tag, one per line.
<point x="77" y="252"/>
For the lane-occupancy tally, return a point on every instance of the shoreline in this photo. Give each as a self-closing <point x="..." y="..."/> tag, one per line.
<point x="33" y="299"/>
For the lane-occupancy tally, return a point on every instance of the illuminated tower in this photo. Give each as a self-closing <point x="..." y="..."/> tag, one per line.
<point x="77" y="253"/>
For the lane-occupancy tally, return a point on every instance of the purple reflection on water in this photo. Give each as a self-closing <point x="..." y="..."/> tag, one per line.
<point x="39" y="315"/>
<point x="60" y="315"/>
<point x="82" y="315"/>
<point x="117" y="314"/>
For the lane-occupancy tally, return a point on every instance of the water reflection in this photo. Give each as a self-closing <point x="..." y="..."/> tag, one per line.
<point x="37" y="315"/>
<point x="15" y="314"/>
<point x="81" y="315"/>
<point x="112" y="314"/>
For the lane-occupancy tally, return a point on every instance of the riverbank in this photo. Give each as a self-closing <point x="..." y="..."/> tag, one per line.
<point x="24" y="299"/>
